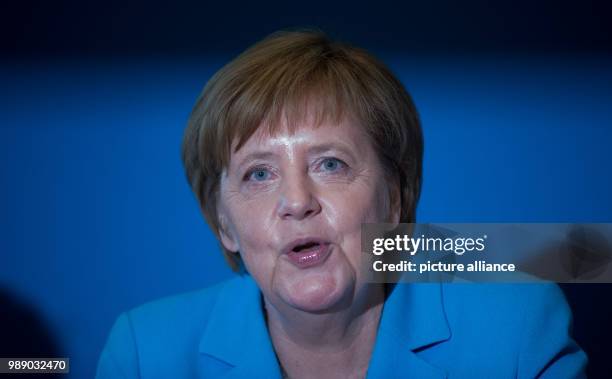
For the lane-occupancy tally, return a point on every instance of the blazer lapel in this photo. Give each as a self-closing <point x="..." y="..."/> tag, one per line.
<point x="235" y="342"/>
<point x="413" y="319"/>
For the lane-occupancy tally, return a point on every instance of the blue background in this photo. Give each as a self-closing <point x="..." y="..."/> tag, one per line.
<point x="96" y="215"/>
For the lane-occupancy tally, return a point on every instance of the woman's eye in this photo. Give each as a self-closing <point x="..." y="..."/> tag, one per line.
<point x="258" y="175"/>
<point x="332" y="164"/>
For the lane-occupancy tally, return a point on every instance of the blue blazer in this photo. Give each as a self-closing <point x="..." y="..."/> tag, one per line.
<point x="427" y="330"/>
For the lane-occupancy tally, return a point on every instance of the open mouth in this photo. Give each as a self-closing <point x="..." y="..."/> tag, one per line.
<point x="308" y="252"/>
<point x="306" y="247"/>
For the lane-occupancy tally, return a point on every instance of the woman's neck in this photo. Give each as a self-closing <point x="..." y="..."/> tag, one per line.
<point x="334" y="344"/>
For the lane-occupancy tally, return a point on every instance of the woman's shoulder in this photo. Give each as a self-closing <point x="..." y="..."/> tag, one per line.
<point x="186" y="313"/>
<point x="164" y="330"/>
<point x="508" y="300"/>
<point x="178" y="307"/>
<point x="527" y="324"/>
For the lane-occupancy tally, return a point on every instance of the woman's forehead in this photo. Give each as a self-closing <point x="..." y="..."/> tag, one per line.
<point x="303" y="137"/>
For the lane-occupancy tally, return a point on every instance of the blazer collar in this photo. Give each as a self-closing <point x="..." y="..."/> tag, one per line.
<point x="413" y="319"/>
<point x="237" y="335"/>
<point x="237" y="343"/>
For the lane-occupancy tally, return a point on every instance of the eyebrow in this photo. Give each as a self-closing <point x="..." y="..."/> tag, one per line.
<point x="331" y="146"/>
<point x="262" y="155"/>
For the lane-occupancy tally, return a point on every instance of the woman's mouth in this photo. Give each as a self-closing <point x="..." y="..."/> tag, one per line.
<point x="306" y="253"/>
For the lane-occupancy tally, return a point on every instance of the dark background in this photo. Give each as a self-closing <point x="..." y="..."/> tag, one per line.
<point x="46" y="28"/>
<point x="73" y="71"/>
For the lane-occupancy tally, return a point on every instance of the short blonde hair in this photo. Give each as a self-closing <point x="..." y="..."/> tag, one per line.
<point x="289" y="74"/>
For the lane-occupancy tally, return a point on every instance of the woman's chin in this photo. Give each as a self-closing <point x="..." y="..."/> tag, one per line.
<point x="315" y="292"/>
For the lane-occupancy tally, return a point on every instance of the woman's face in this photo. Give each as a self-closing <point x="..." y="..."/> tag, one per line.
<point x="292" y="204"/>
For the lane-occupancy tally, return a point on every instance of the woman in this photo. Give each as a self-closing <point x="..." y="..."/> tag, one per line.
<point x="289" y="149"/>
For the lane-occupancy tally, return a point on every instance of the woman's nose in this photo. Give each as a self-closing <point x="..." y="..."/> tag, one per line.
<point x="297" y="199"/>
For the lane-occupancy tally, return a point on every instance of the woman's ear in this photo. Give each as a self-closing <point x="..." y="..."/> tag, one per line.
<point x="226" y="233"/>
